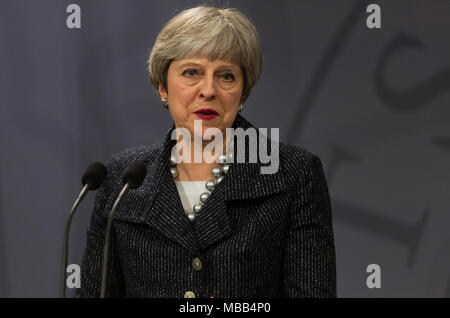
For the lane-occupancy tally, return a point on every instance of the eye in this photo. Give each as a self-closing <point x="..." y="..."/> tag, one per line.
<point x="228" y="77"/>
<point x="190" y="72"/>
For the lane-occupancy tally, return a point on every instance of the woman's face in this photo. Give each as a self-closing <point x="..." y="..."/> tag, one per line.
<point x="197" y="83"/>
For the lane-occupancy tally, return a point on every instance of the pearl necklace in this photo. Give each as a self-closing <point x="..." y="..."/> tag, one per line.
<point x="217" y="172"/>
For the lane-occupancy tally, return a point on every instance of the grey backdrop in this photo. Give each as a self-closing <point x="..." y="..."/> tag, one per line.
<point x="373" y="104"/>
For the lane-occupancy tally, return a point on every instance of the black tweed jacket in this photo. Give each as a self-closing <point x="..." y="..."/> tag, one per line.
<point x="258" y="235"/>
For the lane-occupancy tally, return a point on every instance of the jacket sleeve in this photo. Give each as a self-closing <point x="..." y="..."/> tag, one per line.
<point x="91" y="268"/>
<point x="310" y="261"/>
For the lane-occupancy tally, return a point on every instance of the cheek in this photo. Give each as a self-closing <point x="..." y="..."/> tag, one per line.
<point x="182" y="94"/>
<point x="232" y="99"/>
<point x="180" y="101"/>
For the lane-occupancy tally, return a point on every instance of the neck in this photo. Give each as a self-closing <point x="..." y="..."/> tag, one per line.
<point x="194" y="171"/>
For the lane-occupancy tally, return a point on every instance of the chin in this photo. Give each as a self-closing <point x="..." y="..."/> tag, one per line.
<point x="208" y="135"/>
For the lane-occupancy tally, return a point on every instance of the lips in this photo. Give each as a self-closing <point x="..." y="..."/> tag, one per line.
<point x="206" y="113"/>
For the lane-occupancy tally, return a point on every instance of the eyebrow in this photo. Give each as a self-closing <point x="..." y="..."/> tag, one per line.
<point x="225" y="66"/>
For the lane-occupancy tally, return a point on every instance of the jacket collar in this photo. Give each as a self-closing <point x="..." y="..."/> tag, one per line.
<point x="162" y="211"/>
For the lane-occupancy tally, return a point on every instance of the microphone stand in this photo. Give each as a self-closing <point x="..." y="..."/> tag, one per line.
<point x="82" y="194"/>
<point x="107" y="240"/>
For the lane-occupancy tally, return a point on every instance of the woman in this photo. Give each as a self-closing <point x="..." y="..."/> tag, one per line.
<point x="212" y="229"/>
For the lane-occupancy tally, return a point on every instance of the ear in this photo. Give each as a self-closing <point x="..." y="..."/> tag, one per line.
<point x="162" y="92"/>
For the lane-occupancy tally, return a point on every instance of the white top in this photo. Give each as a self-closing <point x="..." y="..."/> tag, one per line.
<point x="189" y="192"/>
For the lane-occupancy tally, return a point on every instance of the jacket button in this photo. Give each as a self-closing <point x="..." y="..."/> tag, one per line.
<point x="189" y="294"/>
<point x="197" y="264"/>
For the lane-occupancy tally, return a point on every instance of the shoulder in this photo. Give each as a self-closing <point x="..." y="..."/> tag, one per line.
<point x="116" y="165"/>
<point x="298" y="164"/>
<point x="118" y="162"/>
<point x="295" y="155"/>
<point x="304" y="175"/>
<point x="142" y="153"/>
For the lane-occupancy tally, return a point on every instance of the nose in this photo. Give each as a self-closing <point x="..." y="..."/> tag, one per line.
<point x="208" y="87"/>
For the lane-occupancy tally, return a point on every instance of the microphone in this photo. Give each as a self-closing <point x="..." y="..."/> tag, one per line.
<point x="132" y="178"/>
<point x="92" y="178"/>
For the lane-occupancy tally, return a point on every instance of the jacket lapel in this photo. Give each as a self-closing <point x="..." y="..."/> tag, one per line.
<point x="164" y="208"/>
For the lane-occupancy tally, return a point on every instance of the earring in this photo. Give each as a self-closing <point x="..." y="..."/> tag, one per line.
<point x="240" y="108"/>
<point x="165" y="102"/>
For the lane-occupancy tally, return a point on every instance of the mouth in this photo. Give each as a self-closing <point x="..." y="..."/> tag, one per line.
<point x="206" y="113"/>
